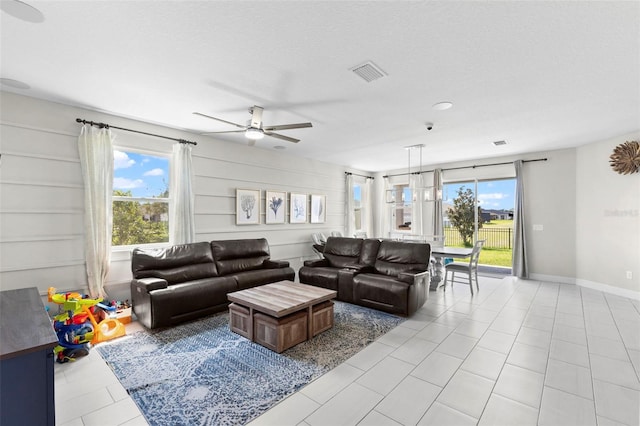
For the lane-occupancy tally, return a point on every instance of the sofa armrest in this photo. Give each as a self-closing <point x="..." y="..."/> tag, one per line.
<point x="412" y="275"/>
<point x="359" y="268"/>
<point x="149" y="284"/>
<point x="316" y="263"/>
<point x="275" y="264"/>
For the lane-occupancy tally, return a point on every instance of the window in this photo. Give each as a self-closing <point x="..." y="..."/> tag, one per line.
<point x="402" y="208"/>
<point x="140" y="198"/>
<point x="485" y="212"/>
<point x="357" y="206"/>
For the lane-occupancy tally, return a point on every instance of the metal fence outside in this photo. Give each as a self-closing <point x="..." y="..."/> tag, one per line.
<point x="495" y="237"/>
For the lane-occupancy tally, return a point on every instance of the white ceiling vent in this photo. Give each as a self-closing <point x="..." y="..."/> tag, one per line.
<point x="368" y="71"/>
<point x="498" y="143"/>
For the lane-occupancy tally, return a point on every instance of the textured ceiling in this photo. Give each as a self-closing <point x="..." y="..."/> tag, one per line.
<point x="539" y="75"/>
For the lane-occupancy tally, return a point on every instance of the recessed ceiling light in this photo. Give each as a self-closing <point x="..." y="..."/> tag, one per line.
<point x="441" y="106"/>
<point x="498" y="143"/>
<point x="14" y="83"/>
<point x="22" y="11"/>
<point x="279" y="147"/>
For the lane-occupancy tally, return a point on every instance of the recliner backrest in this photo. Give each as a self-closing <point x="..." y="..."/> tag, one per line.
<point x="369" y="252"/>
<point x="395" y="257"/>
<point x="176" y="264"/>
<point x="342" y="251"/>
<point x="240" y="255"/>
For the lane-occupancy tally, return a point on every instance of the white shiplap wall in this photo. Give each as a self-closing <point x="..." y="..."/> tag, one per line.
<point x="41" y="194"/>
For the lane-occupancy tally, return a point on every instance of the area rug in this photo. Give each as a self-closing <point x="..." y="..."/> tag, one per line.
<point x="201" y="373"/>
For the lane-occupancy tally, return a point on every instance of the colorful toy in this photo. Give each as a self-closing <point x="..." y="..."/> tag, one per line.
<point x="76" y="325"/>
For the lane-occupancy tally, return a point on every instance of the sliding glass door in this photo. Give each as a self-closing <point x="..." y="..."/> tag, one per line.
<point x="481" y="210"/>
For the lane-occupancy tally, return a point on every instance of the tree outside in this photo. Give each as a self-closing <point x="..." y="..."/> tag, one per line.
<point x="136" y="222"/>
<point x="462" y="215"/>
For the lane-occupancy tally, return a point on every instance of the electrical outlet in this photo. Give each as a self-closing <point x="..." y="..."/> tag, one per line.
<point x="538" y="227"/>
<point x="629" y="275"/>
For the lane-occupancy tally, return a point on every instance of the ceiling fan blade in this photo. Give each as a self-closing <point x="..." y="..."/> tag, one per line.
<point x="256" y="117"/>
<point x="283" y="137"/>
<point x="226" y="131"/>
<point x="219" y="119"/>
<point x="288" y="126"/>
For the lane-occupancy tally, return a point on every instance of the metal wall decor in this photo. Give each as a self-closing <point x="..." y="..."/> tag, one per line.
<point x="626" y="158"/>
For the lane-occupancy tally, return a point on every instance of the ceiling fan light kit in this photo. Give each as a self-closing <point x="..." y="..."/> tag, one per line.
<point x="255" y="130"/>
<point x="254" y="134"/>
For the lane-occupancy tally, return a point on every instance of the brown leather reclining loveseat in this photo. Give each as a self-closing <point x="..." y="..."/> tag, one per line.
<point x="188" y="281"/>
<point x="390" y="276"/>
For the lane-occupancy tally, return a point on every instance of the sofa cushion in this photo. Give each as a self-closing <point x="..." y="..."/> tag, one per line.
<point x="248" y="279"/>
<point x="381" y="292"/>
<point x="183" y="262"/>
<point x="233" y="256"/>
<point x="181" y="299"/>
<point x="342" y="251"/>
<point x="395" y="257"/>
<point x="321" y="276"/>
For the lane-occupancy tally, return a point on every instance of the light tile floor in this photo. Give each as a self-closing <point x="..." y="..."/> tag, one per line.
<point x="516" y="353"/>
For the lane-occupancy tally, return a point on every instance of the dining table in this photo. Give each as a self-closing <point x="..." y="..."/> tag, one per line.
<point x="439" y="254"/>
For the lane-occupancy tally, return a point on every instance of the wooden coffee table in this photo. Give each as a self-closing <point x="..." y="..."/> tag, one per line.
<point x="281" y="315"/>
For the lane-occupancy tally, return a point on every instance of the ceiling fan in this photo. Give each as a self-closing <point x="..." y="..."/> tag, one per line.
<point x="255" y="130"/>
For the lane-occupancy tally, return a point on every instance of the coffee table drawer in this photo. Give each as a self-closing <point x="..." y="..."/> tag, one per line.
<point x="279" y="334"/>
<point x="322" y="317"/>
<point x="240" y="321"/>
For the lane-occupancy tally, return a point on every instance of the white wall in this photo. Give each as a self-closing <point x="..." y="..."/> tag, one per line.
<point x="41" y="194"/>
<point x="608" y="220"/>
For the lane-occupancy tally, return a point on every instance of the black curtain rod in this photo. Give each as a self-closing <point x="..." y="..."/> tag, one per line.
<point x="466" y="167"/>
<point x="107" y="126"/>
<point x="355" y="174"/>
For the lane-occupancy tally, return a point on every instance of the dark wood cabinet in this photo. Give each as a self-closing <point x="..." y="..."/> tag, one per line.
<point x="27" y="340"/>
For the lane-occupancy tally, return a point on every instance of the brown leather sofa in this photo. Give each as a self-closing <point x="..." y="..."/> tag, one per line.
<point x="188" y="281"/>
<point x="390" y="276"/>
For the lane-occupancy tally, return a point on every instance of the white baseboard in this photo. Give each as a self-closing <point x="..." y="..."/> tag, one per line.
<point x="553" y="279"/>
<point x="606" y="288"/>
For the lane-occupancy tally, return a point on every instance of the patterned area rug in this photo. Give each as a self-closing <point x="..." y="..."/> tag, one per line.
<point x="202" y="373"/>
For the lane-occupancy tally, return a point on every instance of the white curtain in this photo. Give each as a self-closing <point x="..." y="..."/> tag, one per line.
<point x="181" y="207"/>
<point x="438" y="221"/>
<point x="95" y="146"/>
<point x="367" y="207"/>
<point x="349" y="214"/>
<point x="519" y="265"/>
<point x="417" y="205"/>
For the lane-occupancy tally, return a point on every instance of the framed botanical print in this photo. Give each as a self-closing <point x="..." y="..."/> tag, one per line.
<point x="247" y="207"/>
<point x="318" y="208"/>
<point x="275" y="207"/>
<point x="297" y="208"/>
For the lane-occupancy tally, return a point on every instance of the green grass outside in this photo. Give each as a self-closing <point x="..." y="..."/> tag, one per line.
<point x="499" y="224"/>
<point x="494" y="256"/>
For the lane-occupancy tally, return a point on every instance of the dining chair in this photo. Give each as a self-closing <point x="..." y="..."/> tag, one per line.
<point x="336" y="234"/>
<point x="319" y="241"/>
<point x="470" y="269"/>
